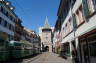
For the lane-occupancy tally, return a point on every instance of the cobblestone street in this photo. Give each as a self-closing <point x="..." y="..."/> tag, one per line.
<point x="50" y="58"/>
<point x="44" y="58"/>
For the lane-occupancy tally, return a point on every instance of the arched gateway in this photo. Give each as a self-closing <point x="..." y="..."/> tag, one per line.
<point x="46" y="48"/>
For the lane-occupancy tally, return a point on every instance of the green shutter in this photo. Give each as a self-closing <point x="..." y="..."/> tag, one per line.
<point x="85" y="8"/>
<point x="74" y="21"/>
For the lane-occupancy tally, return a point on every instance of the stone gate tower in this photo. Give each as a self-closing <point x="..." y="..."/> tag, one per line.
<point x="46" y="36"/>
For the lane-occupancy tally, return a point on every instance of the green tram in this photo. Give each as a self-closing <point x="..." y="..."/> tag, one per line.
<point x="14" y="49"/>
<point x="4" y="47"/>
<point x="20" y="49"/>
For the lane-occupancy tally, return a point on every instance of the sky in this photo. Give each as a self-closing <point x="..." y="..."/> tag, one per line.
<point x="33" y="12"/>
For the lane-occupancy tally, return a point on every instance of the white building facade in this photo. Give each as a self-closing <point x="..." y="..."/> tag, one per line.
<point x="78" y="30"/>
<point x="7" y="19"/>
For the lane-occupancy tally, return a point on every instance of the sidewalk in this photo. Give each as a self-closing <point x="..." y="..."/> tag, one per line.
<point x="68" y="60"/>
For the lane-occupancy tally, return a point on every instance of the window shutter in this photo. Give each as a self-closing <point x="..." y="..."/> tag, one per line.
<point x="85" y="8"/>
<point x="74" y="21"/>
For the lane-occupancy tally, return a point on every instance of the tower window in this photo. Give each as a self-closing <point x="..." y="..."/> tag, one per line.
<point x="46" y="37"/>
<point x="46" y="33"/>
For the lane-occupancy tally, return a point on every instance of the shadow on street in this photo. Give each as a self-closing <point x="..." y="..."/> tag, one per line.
<point x="21" y="60"/>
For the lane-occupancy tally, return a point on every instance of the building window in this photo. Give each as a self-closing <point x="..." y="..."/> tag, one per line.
<point x="66" y="29"/>
<point x="11" y="17"/>
<point x="91" y="6"/>
<point x="79" y="16"/>
<point x="63" y="28"/>
<point x="0" y="20"/>
<point x="10" y="37"/>
<point x="2" y="9"/>
<point x="7" y="14"/>
<point x="73" y="2"/>
<point x="74" y="21"/>
<point x="85" y="8"/>
<point x="70" y="25"/>
<point x="94" y="3"/>
<point x="63" y="32"/>
<point x="46" y="37"/>
<point x="14" y="20"/>
<point x="10" y="26"/>
<point x="5" y="24"/>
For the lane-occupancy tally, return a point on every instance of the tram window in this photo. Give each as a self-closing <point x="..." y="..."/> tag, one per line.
<point x="1" y="40"/>
<point x="18" y="48"/>
<point x="1" y="43"/>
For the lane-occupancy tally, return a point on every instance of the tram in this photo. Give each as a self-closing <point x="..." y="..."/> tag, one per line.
<point x="20" y="49"/>
<point x="14" y="49"/>
<point x="4" y="47"/>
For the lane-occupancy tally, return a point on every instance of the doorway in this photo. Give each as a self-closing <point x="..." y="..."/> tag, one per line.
<point x="46" y="48"/>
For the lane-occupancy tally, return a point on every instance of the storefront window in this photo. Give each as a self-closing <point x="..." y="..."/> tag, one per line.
<point x="92" y="48"/>
<point x="67" y="49"/>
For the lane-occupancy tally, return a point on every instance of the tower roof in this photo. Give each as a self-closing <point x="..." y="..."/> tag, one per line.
<point x="46" y="25"/>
